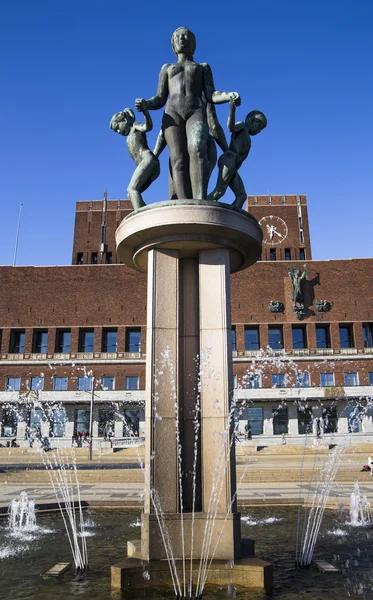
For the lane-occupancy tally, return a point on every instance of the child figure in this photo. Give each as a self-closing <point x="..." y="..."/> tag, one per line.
<point x="232" y="159"/>
<point x="147" y="169"/>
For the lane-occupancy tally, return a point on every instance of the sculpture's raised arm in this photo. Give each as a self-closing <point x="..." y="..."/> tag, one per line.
<point x="160" y="99"/>
<point x="148" y="125"/>
<point x="213" y="95"/>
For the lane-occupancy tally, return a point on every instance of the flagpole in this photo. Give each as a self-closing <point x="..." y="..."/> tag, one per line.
<point x="17" y="236"/>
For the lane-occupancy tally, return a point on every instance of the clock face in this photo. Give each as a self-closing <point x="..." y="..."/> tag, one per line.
<point x="274" y="230"/>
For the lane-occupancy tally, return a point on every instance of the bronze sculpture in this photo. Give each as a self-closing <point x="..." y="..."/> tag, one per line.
<point x="147" y="169"/>
<point x="190" y="128"/>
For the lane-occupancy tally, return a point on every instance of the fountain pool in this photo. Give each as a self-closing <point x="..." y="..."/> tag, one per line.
<point x="347" y="547"/>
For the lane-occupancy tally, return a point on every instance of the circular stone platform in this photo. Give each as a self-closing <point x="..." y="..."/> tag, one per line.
<point x="189" y="226"/>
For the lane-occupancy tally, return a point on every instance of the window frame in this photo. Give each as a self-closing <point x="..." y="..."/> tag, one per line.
<point x="109" y="388"/>
<point x="63" y="384"/>
<point x="38" y="346"/>
<point x="34" y="387"/>
<point x="105" y="346"/>
<point x="127" y="385"/>
<point x="349" y="342"/>
<point x="60" y="346"/>
<point x="83" y="332"/>
<point x="328" y="384"/>
<point x="319" y="343"/>
<point x="303" y="329"/>
<point x="8" y="387"/>
<point x="281" y="379"/>
<point x="133" y="347"/>
<point x="17" y="348"/>
<point x="350" y="377"/>
<point x="81" y="383"/>
<point x="254" y="328"/>
<point x="272" y="328"/>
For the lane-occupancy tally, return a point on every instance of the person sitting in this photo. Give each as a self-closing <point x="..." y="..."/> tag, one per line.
<point x="370" y="463"/>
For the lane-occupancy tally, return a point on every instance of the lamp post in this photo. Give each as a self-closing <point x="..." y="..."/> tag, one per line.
<point x="91" y="419"/>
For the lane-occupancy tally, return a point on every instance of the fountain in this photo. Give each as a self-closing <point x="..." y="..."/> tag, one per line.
<point x="360" y="511"/>
<point x="65" y="483"/>
<point x="22" y="515"/>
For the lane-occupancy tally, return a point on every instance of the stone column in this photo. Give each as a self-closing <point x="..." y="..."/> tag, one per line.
<point x="161" y="379"/>
<point x="69" y="425"/>
<point x="293" y="419"/>
<point x="342" y="417"/>
<point x="216" y="376"/>
<point x="268" y="420"/>
<point x="189" y="350"/>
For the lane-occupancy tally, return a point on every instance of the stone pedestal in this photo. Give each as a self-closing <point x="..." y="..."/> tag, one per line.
<point x="189" y="248"/>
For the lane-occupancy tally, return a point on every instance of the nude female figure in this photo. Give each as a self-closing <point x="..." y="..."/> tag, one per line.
<point x="182" y="87"/>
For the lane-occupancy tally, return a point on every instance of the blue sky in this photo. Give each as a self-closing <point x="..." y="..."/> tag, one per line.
<point x="67" y="66"/>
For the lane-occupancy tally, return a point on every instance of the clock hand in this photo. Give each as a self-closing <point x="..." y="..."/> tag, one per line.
<point x="277" y="233"/>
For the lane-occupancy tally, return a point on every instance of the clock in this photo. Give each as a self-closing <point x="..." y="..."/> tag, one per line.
<point x="274" y="230"/>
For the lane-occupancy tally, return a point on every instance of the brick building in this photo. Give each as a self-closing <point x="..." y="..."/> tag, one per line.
<point x="295" y="372"/>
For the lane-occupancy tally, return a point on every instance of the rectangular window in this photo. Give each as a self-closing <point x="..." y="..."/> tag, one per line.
<point x="109" y="258"/>
<point x="330" y="420"/>
<point x="63" y="340"/>
<point x="84" y="384"/>
<point x="354" y="417"/>
<point x="79" y="258"/>
<point x="58" y="422"/>
<point x="94" y="258"/>
<point x="60" y="384"/>
<point x="106" y="423"/>
<point x="299" y="337"/>
<point x="275" y="338"/>
<point x="302" y="254"/>
<point x="326" y="379"/>
<point x="133" y="340"/>
<point x="322" y="336"/>
<point x="252" y="380"/>
<point x="351" y="378"/>
<point x="107" y="382"/>
<point x="132" y="382"/>
<point x="303" y="379"/>
<point x="370" y="376"/>
<point x="280" y="420"/>
<point x="17" y="341"/>
<point x="304" y="421"/>
<point x="37" y="384"/>
<point x="9" y="422"/>
<point x="279" y="380"/>
<point x="36" y="418"/>
<point x="287" y="254"/>
<point x="86" y="340"/>
<point x="368" y="335"/>
<point x="109" y="340"/>
<point x="40" y="341"/>
<point x="235" y="381"/>
<point x="255" y="420"/>
<point x="13" y="384"/>
<point x="345" y="336"/>
<point x="81" y="421"/>
<point x="252" y="338"/>
<point x="234" y="346"/>
<point x="131" y="423"/>
<point x="272" y="254"/>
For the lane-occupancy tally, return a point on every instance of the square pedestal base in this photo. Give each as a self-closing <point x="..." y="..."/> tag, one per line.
<point x="225" y="536"/>
<point x="133" y="574"/>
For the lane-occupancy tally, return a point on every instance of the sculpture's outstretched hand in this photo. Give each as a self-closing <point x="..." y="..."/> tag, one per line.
<point x="140" y="104"/>
<point x="235" y="98"/>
